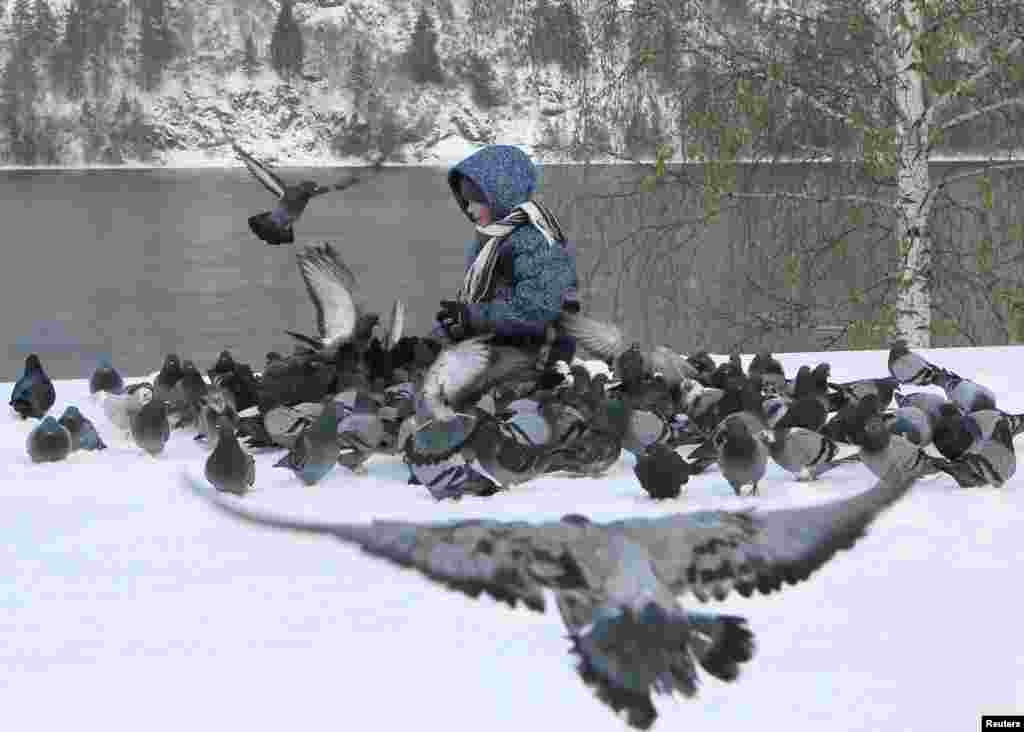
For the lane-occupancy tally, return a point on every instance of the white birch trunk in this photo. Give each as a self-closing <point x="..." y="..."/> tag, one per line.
<point x="913" y="299"/>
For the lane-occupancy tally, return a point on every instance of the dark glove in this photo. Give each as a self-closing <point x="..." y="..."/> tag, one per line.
<point x="454" y="318"/>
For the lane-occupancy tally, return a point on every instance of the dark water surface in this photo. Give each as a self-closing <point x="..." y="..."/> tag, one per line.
<point x="136" y="263"/>
<point x="133" y="264"/>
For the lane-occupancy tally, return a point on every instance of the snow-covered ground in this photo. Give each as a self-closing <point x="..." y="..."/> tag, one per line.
<point x="128" y="604"/>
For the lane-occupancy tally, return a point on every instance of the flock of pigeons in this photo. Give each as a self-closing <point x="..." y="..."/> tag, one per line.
<point x="348" y="394"/>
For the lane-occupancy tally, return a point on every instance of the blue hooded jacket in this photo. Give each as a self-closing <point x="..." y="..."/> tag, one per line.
<point x="533" y="279"/>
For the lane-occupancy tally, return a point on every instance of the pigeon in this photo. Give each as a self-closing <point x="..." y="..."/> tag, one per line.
<point x="908" y="367"/>
<point x="881" y="451"/>
<point x="83" y="432"/>
<point x="186" y="396"/>
<point x="990" y="460"/>
<point x="229" y="468"/>
<point x="48" y="442"/>
<point x="742" y="453"/>
<point x="661" y="471"/>
<point x="853" y="391"/>
<point x="769" y="370"/>
<point x="33" y="393"/>
<point x="928" y="402"/>
<point x="275" y="227"/>
<point x="295" y="380"/>
<point x="340" y="316"/>
<point x="956" y="432"/>
<point x="167" y="377"/>
<point x="316" y="450"/>
<point x="225" y="364"/>
<point x="464" y="372"/>
<point x="800" y="451"/>
<point x="911" y="368"/>
<point x="120" y="408"/>
<point x="241" y="383"/>
<point x="106" y="378"/>
<point x="150" y="426"/>
<point x="617" y="584"/>
<point x="213" y="406"/>
<point x="912" y="422"/>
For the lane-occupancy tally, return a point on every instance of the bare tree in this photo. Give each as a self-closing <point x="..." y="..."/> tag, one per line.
<point x="820" y="124"/>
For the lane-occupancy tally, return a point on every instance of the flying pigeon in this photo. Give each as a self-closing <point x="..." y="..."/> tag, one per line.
<point x="616" y="584"/>
<point x="33" y="393"/>
<point x="340" y="316"/>
<point x="48" y="442"/>
<point x="275" y="227"/>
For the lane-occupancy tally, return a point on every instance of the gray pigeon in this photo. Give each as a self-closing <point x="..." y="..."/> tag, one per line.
<point x="799" y="451"/>
<point x="214" y="405"/>
<point x="48" y="442"/>
<point x="83" y="432"/>
<point x="341" y="318"/>
<point x="616" y="583"/>
<point x="187" y="395"/>
<point x="742" y="452"/>
<point x="990" y="459"/>
<point x="230" y="468"/>
<point x="120" y="408"/>
<point x="882" y="451"/>
<point x="912" y="422"/>
<point x="150" y="426"/>
<point x="316" y="450"/>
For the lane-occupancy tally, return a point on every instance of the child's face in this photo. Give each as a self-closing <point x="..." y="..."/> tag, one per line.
<point x="481" y="213"/>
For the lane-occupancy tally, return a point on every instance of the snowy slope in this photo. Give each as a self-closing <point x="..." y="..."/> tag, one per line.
<point x="127" y="604"/>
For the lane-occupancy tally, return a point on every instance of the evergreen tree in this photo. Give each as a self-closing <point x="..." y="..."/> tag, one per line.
<point x="156" y="43"/>
<point x="422" y="61"/>
<point x="286" y="47"/>
<point x="486" y="90"/>
<point x="360" y="75"/>
<point x="544" y="33"/>
<point x="250" y="60"/>
<point x="573" y="50"/>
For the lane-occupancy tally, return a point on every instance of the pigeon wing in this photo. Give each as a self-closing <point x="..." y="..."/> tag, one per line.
<point x="331" y="286"/>
<point x="511" y="562"/>
<point x="602" y="339"/>
<point x="396" y="326"/>
<point x="709" y="553"/>
<point x="261" y="172"/>
<point x="673" y="367"/>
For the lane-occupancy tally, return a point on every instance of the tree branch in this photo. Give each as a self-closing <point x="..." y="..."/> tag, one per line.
<point x="974" y="114"/>
<point x="942" y="101"/>
<point x="975" y="172"/>
<point x="849" y="198"/>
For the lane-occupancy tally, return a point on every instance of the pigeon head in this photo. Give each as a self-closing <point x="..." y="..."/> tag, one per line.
<point x="307" y="189"/>
<point x="273" y="356"/>
<point x="50" y="424"/>
<point x="172" y="361"/>
<point x="875" y="436"/>
<point x="72" y="413"/>
<point x="144" y="394"/>
<point x="32" y="363"/>
<point x="701" y="361"/>
<point x="225" y="361"/>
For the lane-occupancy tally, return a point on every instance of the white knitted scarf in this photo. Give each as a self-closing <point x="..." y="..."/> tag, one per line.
<point x="477" y="282"/>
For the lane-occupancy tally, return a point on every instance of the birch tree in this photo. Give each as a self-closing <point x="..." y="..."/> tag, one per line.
<point x="877" y="88"/>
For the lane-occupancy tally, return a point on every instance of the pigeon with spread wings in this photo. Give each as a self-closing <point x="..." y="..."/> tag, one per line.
<point x="275" y="226"/>
<point x="616" y="584"/>
<point x="340" y="316"/>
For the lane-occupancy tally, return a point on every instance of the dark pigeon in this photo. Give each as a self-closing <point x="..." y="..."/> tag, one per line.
<point x="106" y="378"/>
<point x="150" y="427"/>
<point x="83" y="432"/>
<point x="275" y="227"/>
<point x="662" y="472"/>
<point x="167" y="378"/>
<point x="33" y="393"/>
<point x="48" y="442"/>
<point x="229" y="468"/>
<point x="742" y="454"/>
